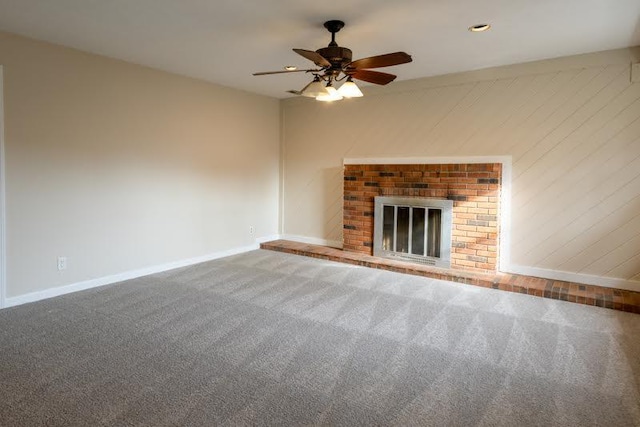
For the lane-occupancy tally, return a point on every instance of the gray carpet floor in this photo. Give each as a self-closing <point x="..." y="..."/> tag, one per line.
<point x="267" y="338"/>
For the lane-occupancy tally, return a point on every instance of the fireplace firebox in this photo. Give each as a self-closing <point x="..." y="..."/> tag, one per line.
<point x="413" y="229"/>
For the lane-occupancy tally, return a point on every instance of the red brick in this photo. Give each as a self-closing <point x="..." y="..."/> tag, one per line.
<point x="464" y="251"/>
<point x="476" y="234"/>
<point x="462" y="262"/>
<point x="477" y="247"/>
<point x="443" y="180"/>
<point x="480" y="199"/>
<point x="478" y="211"/>
<point x="486" y="229"/>
<point x="489" y="255"/>
<point x="458" y="186"/>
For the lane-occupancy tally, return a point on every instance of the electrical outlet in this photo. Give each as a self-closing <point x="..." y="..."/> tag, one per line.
<point x="252" y="229"/>
<point x="62" y="263"/>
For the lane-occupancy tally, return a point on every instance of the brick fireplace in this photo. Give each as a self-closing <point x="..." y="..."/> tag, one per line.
<point x="474" y="189"/>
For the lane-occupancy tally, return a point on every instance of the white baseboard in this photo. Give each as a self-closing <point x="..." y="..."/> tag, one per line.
<point x="120" y="277"/>
<point x="268" y="238"/>
<point x="313" y="240"/>
<point x="587" y="279"/>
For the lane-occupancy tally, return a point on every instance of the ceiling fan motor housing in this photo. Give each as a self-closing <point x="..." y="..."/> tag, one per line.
<point x="338" y="56"/>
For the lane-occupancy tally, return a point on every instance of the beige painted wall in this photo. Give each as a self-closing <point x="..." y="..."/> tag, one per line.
<point x="571" y="125"/>
<point x="120" y="167"/>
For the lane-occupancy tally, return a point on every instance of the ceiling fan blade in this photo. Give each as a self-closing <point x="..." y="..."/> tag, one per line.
<point x="380" y="61"/>
<point x="263" y="73"/>
<point x="317" y="59"/>
<point x="373" y="76"/>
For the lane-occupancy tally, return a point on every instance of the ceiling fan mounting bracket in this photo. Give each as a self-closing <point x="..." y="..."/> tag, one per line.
<point x="334" y="26"/>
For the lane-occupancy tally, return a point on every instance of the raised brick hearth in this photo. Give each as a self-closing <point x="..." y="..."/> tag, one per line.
<point x="474" y="189"/>
<point x="556" y="289"/>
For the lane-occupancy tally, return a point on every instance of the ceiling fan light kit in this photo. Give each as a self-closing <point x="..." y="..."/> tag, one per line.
<point x="350" y="90"/>
<point x="332" y="94"/>
<point x="314" y="89"/>
<point x="335" y="65"/>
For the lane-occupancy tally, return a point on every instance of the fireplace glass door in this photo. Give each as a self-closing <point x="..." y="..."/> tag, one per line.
<point x="412" y="230"/>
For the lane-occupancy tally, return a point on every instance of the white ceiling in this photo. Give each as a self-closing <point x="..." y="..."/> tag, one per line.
<point x="225" y="41"/>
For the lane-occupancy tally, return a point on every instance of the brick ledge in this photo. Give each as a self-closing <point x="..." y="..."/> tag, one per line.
<point x="617" y="299"/>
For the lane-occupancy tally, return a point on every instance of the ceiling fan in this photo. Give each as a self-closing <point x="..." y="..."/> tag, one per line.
<point x="334" y="65"/>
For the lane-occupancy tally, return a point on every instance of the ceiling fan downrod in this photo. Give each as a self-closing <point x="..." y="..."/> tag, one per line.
<point x="333" y="26"/>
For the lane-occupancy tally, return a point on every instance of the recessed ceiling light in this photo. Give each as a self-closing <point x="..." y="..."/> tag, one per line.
<point x="290" y="68"/>
<point x="479" y="28"/>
